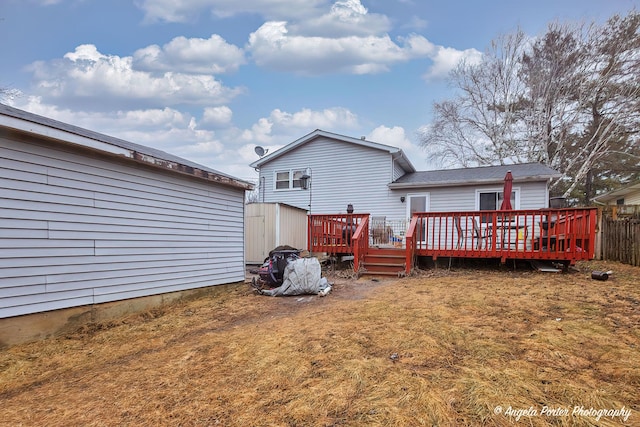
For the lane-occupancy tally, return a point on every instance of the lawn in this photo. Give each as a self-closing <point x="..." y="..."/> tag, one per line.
<point x="466" y="346"/>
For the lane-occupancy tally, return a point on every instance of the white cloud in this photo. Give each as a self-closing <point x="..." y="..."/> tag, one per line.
<point x="195" y="56"/>
<point x="397" y="137"/>
<point x="186" y="10"/>
<point x="90" y="78"/>
<point x="260" y="132"/>
<point x="345" y="18"/>
<point x="446" y="59"/>
<point x="416" y="23"/>
<point x="281" y="125"/>
<point x="217" y="116"/>
<point x="272" y="47"/>
<point x="345" y="39"/>
<point x="309" y="119"/>
<point x="394" y="136"/>
<point x="229" y="150"/>
<point x="158" y="128"/>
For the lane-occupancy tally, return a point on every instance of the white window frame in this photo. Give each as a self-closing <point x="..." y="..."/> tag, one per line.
<point x="515" y="201"/>
<point x="292" y="181"/>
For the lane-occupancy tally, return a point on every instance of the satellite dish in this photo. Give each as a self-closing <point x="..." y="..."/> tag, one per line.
<point x="260" y="151"/>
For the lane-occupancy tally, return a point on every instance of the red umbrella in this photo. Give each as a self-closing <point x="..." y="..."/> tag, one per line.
<point x="508" y="184"/>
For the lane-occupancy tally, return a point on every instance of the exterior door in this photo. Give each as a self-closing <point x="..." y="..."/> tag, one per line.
<point x="418" y="203"/>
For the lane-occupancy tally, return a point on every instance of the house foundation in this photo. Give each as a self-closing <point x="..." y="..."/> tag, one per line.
<point x="49" y="324"/>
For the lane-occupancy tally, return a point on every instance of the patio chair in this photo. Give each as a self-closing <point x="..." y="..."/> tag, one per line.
<point x="481" y="235"/>
<point x="477" y="235"/>
<point x="461" y="234"/>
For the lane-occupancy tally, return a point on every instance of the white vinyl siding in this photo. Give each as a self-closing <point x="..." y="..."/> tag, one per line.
<point x="81" y="229"/>
<point x="397" y="171"/>
<point x="532" y="195"/>
<point x="341" y="173"/>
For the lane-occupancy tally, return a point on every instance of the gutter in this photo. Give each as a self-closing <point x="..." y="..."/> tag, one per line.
<point x="190" y="170"/>
<point x="439" y="184"/>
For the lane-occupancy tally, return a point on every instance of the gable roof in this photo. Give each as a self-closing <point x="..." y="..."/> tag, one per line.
<point x="525" y="172"/>
<point x="23" y="121"/>
<point x="616" y="194"/>
<point x="396" y="153"/>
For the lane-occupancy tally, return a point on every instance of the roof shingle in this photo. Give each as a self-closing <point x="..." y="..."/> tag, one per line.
<point x="476" y="175"/>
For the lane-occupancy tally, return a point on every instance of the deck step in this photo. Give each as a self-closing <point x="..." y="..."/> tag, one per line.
<point x="384" y="262"/>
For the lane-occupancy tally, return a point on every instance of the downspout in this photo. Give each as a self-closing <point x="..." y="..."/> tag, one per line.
<point x="277" y="224"/>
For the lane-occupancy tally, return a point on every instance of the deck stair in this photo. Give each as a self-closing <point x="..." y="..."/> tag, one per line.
<point x="384" y="262"/>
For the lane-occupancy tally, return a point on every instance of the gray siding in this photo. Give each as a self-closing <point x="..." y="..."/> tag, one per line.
<point x="341" y="173"/>
<point x="80" y="229"/>
<point x="397" y="171"/>
<point x="533" y="195"/>
<point x="345" y="173"/>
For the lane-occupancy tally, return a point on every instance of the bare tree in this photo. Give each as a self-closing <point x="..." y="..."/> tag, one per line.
<point x="612" y="97"/>
<point x="479" y="126"/>
<point x="568" y="99"/>
<point x="7" y="94"/>
<point x="252" y="196"/>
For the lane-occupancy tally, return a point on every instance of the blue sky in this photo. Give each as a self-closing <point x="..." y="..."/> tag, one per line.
<point x="209" y="80"/>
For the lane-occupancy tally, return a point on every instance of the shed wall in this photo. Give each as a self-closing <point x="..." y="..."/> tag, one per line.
<point x="293" y="227"/>
<point x="269" y="225"/>
<point x="260" y="231"/>
<point x="77" y="229"/>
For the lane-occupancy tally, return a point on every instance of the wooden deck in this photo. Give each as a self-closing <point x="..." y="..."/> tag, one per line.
<point x="561" y="235"/>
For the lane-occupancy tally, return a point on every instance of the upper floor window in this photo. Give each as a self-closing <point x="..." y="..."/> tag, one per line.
<point x="286" y="180"/>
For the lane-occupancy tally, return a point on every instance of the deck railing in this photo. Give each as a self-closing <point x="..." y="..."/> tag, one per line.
<point x="553" y="234"/>
<point x="360" y="243"/>
<point x="333" y="233"/>
<point x="564" y="235"/>
<point x="410" y="248"/>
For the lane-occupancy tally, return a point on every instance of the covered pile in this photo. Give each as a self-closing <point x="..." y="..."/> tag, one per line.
<point x="301" y="276"/>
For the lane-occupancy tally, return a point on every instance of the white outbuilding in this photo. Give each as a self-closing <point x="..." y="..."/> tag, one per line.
<point x="87" y="219"/>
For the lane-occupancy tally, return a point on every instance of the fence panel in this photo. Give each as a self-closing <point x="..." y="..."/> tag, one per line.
<point x="621" y="240"/>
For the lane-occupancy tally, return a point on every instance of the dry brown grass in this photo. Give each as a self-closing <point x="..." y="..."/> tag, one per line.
<point x="441" y="348"/>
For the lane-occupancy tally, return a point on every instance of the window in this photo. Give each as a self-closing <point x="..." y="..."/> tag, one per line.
<point x="297" y="182"/>
<point x="491" y="200"/>
<point x="282" y="180"/>
<point x="286" y="180"/>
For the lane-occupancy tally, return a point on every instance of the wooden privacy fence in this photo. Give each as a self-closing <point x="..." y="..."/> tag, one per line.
<point x="621" y="240"/>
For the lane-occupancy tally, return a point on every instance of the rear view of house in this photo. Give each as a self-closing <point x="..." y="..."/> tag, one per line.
<point x="87" y="219"/>
<point x="362" y="196"/>
<point x="324" y="172"/>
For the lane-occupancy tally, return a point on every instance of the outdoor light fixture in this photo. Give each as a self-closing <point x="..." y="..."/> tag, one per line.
<point x="305" y="181"/>
<point x="402" y="199"/>
<point x="305" y="178"/>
